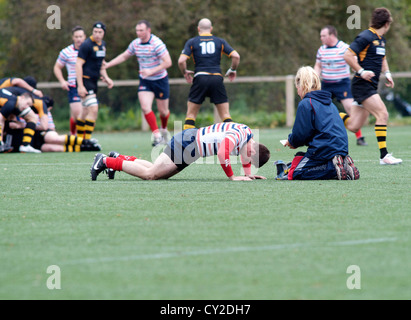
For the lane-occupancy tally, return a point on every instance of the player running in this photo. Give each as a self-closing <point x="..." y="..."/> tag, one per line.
<point x="366" y="56"/>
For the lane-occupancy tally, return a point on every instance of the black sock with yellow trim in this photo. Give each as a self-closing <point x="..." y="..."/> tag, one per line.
<point x="228" y="119"/>
<point x="189" y="123"/>
<point x="28" y="133"/>
<point x="345" y="117"/>
<point x="381" y="134"/>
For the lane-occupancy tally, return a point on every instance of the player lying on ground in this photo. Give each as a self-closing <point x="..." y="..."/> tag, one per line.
<point x="49" y="141"/>
<point x="221" y="139"/>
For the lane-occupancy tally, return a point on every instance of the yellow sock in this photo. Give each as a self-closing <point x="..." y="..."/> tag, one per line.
<point x="189" y="123"/>
<point x="88" y="129"/>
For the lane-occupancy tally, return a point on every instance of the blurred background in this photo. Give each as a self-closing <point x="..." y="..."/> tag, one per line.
<point x="274" y="38"/>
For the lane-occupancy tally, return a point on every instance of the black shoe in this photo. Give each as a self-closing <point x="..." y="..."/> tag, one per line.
<point x="111" y="172"/>
<point x="338" y="162"/>
<point x="98" y="166"/>
<point x="90" y="145"/>
<point x="361" y="142"/>
<point x="352" y="171"/>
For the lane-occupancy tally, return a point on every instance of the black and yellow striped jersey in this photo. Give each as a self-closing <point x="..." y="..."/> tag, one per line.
<point x="6" y="82"/>
<point x="8" y="103"/>
<point x="370" y="49"/>
<point x="39" y="105"/>
<point x="93" y="54"/>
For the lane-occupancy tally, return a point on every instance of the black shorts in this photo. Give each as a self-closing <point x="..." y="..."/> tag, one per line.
<point x="90" y="85"/>
<point x="182" y="148"/>
<point x="17" y="140"/>
<point x="362" y="89"/>
<point x="211" y="86"/>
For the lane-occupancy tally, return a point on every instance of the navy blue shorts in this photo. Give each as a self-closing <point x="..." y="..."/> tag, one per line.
<point x="309" y="169"/>
<point x="160" y="88"/>
<point x="182" y="148"/>
<point x="340" y="90"/>
<point x="73" y="95"/>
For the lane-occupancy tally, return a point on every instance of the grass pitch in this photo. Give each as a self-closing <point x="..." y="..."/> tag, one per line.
<point x="200" y="236"/>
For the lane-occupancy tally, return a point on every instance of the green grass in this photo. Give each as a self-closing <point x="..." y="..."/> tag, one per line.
<point x="200" y="236"/>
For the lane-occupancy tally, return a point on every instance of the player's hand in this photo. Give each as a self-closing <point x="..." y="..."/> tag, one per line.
<point x="188" y="75"/>
<point x="110" y="83"/>
<point x="82" y="91"/>
<point x="367" y="75"/>
<point x="231" y="74"/>
<point x="64" y="85"/>
<point x="240" y="178"/>
<point x="287" y="144"/>
<point x="38" y="93"/>
<point x="257" y="177"/>
<point x="390" y="81"/>
<point x="145" y="73"/>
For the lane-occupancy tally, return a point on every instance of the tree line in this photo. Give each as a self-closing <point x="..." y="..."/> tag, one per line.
<point x="273" y="37"/>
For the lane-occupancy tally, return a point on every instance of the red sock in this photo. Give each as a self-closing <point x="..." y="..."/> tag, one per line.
<point x="151" y="120"/>
<point x="164" y="121"/>
<point x="127" y="158"/>
<point x="358" y="134"/>
<point x="294" y="164"/>
<point x="114" y="163"/>
<point x="73" y="123"/>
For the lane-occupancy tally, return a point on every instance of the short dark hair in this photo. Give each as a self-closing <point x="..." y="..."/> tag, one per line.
<point x="77" y="28"/>
<point x="380" y="17"/>
<point x="27" y="95"/>
<point x="146" y="22"/>
<point x="331" y="30"/>
<point x="262" y="156"/>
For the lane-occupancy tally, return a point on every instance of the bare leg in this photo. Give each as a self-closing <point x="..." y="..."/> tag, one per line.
<point x="192" y="110"/>
<point x="162" y="168"/>
<point x="162" y="106"/>
<point x="223" y="110"/>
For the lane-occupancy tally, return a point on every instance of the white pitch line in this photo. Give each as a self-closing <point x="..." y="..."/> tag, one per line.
<point x="178" y="254"/>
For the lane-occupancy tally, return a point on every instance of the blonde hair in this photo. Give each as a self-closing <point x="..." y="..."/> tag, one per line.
<point x="307" y="80"/>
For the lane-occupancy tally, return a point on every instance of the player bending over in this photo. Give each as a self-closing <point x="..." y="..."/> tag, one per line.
<point x="221" y="139"/>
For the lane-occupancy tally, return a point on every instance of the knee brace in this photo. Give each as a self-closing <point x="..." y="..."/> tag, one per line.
<point x="89" y="101"/>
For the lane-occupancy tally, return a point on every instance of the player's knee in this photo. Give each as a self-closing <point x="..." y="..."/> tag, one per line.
<point x="90" y="101"/>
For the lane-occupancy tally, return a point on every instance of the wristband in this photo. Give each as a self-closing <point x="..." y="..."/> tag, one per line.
<point x="388" y="73"/>
<point x="233" y="70"/>
<point x="32" y="91"/>
<point x="360" y="71"/>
